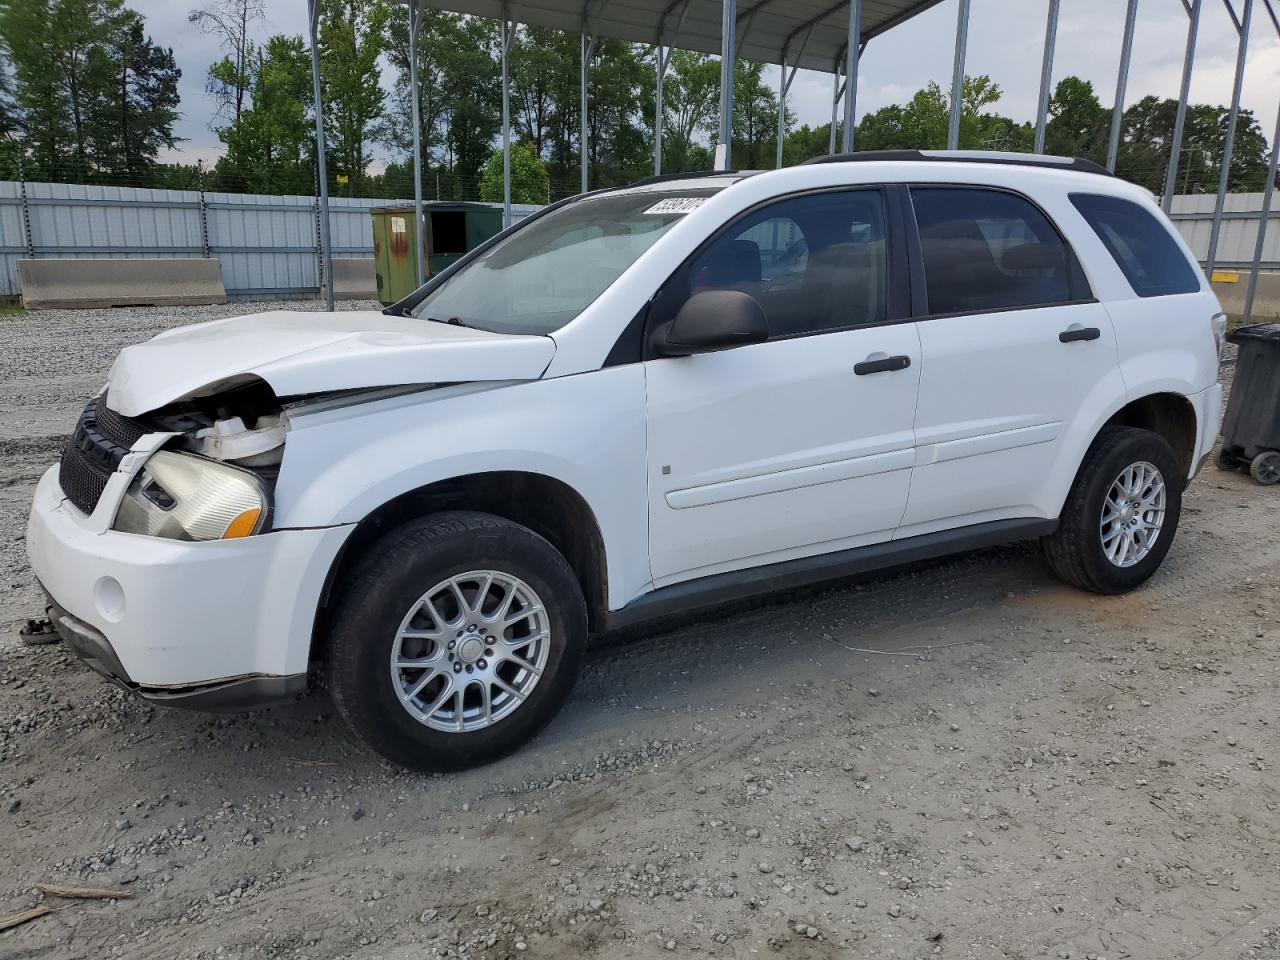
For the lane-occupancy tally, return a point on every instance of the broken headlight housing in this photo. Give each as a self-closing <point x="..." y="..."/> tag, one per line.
<point x="178" y="496"/>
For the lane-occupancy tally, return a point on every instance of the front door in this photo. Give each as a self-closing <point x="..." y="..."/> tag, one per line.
<point x="802" y="444"/>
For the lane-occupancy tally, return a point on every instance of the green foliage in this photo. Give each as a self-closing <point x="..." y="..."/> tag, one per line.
<point x="690" y="110"/>
<point x="755" y="118"/>
<point x="921" y="124"/>
<point x="270" y="146"/>
<point x="94" y="98"/>
<point x="529" y="180"/>
<point x="352" y="38"/>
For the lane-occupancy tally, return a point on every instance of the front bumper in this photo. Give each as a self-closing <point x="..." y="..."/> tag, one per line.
<point x="224" y="623"/>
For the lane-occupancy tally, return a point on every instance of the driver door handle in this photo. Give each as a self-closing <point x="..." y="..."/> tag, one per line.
<point x="883" y="365"/>
<point x="1072" y="334"/>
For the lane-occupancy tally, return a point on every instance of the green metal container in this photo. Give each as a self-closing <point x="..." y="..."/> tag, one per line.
<point x="452" y="229"/>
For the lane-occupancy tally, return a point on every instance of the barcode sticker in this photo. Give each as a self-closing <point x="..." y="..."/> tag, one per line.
<point x="676" y="205"/>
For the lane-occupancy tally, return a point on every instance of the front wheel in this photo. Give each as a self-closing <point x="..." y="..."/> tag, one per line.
<point x="1121" y="515"/>
<point x="457" y="640"/>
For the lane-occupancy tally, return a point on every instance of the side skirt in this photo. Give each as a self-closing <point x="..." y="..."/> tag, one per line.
<point x="741" y="584"/>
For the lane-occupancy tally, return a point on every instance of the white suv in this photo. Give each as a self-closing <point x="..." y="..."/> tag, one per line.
<point x="634" y="403"/>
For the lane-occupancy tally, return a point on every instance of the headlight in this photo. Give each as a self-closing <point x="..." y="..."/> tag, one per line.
<point x="181" y="497"/>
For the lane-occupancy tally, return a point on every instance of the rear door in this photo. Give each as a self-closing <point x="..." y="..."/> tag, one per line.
<point x="1013" y="346"/>
<point x="802" y="444"/>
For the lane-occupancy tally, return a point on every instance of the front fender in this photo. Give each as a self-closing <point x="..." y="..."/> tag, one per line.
<point x="585" y="431"/>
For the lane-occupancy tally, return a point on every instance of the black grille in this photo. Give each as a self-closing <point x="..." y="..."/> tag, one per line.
<point x="101" y="440"/>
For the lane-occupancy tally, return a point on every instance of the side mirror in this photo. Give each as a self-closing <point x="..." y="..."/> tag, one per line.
<point x="713" y="320"/>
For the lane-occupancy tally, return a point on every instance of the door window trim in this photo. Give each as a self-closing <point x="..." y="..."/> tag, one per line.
<point x="1078" y="281"/>
<point x="898" y="301"/>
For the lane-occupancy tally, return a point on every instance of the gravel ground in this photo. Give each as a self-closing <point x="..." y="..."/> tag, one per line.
<point x="964" y="760"/>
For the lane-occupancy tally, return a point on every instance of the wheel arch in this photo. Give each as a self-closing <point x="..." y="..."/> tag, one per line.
<point x="1171" y="415"/>
<point x="548" y="506"/>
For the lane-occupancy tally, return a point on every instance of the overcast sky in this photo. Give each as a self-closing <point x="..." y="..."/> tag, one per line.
<point x="1006" y="37"/>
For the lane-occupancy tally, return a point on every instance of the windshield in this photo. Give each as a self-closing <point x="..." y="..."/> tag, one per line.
<point x="547" y="273"/>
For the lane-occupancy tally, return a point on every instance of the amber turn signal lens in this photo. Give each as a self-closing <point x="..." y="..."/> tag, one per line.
<point x="243" y="525"/>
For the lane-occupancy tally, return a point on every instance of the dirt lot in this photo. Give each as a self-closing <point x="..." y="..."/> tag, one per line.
<point x="1004" y="767"/>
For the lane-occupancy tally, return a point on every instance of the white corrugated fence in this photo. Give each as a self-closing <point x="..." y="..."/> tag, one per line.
<point x="268" y="245"/>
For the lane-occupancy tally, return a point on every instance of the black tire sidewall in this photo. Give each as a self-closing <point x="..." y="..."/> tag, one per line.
<point x="418" y="556"/>
<point x="1127" y="447"/>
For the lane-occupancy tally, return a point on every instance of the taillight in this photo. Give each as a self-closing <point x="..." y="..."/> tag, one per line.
<point x="1219" y="323"/>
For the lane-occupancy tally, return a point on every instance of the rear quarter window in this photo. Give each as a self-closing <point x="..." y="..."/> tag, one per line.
<point x="1140" y="244"/>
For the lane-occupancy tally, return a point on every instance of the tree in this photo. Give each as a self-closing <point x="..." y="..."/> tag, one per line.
<point x="542" y="64"/>
<point x="50" y="44"/>
<point x="270" y="147"/>
<point x="436" y="30"/>
<point x="922" y="123"/>
<point x="135" y="100"/>
<point x="755" y="118"/>
<point x="471" y="75"/>
<point x="229" y="80"/>
<point x="352" y="38"/>
<point x="1078" y="124"/>
<point x="1148" y="140"/>
<point x="529" y="181"/>
<point x="690" y="97"/>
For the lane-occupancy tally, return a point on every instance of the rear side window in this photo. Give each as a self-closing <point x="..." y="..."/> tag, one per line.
<point x="1151" y="260"/>
<point x="990" y="250"/>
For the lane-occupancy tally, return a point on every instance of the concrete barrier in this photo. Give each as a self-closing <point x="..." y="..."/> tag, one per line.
<point x="120" y="283"/>
<point x="354" y="279"/>
<point x="1231" y="293"/>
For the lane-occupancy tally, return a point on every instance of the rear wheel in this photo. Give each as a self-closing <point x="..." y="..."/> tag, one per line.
<point x="1121" y="515"/>
<point x="457" y="640"/>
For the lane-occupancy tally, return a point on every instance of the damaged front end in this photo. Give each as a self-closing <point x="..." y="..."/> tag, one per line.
<point x="199" y="469"/>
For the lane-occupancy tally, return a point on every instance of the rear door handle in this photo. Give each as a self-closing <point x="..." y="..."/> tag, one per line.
<point x="1073" y="334"/>
<point x="883" y="365"/>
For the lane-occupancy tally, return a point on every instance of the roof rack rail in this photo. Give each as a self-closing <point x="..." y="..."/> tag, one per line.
<point x="688" y="175"/>
<point x="968" y="156"/>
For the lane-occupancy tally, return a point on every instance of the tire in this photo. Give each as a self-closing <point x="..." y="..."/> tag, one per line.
<point x="1076" y="550"/>
<point x="385" y="599"/>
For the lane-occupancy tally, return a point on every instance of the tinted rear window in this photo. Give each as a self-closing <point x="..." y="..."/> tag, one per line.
<point x="989" y="250"/>
<point x="1151" y="260"/>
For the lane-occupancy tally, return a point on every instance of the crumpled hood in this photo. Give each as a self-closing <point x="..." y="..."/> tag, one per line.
<point x="314" y="352"/>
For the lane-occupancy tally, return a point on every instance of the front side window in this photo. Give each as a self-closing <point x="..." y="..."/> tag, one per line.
<point x="814" y="263"/>
<point x="1141" y="246"/>
<point x="545" y="274"/>
<point x="989" y="250"/>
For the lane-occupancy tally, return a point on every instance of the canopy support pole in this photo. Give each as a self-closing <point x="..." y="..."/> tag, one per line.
<point x="1267" y="193"/>
<point x="657" y="111"/>
<point x="414" y="23"/>
<point x="728" y="57"/>
<point x="1180" y="121"/>
<point x="852" y="57"/>
<point x="322" y="173"/>
<point x="1122" y="82"/>
<point x="1228" y="146"/>
<point x="784" y="87"/>
<point x="588" y="47"/>
<point x="837" y="91"/>
<point x="957" y="75"/>
<point x="508" y="30"/>
<point x="1046" y="75"/>
<point x="664" y="52"/>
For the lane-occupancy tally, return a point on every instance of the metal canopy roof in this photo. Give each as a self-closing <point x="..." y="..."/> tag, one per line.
<point x="766" y="28"/>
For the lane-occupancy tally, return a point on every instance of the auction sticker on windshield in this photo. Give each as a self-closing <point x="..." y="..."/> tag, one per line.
<point x="677" y="205"/>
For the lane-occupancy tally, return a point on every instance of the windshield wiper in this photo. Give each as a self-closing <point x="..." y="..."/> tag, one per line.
<point x="452" y="321"/>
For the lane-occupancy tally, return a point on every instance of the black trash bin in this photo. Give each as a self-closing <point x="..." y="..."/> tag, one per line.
<point x="1251" y="430"/>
